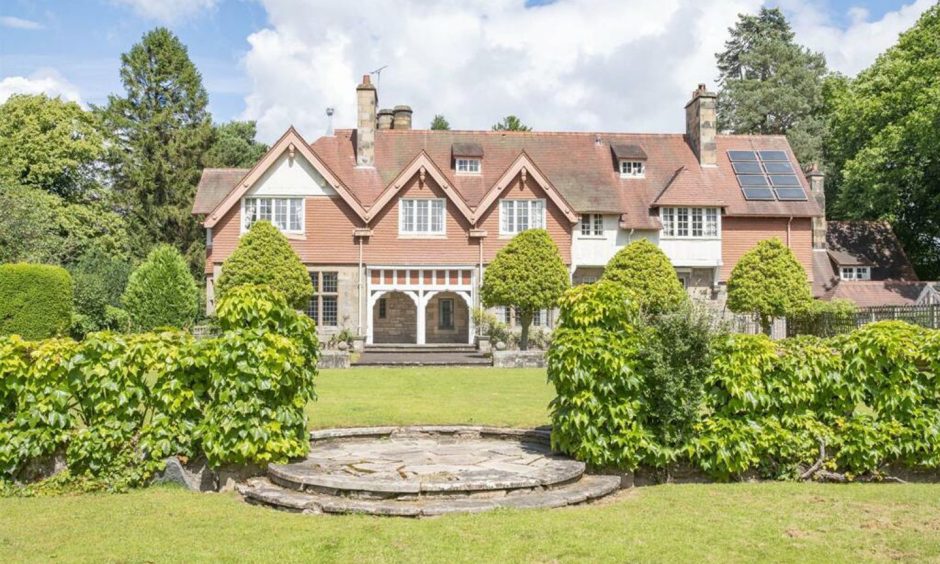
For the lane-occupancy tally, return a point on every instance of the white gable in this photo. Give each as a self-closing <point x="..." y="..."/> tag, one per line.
<point x="291" y="177"/>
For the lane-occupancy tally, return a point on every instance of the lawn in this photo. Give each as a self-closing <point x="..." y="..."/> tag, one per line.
<point x="716" y="522"/>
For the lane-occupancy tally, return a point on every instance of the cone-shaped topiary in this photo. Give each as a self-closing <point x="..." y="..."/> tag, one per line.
<point x="264" y="257"/>
<point x="161" y="292"/>
<point x="769" y="282"/>
<point x="527" y="275"/>
<point x="644" y="269"/>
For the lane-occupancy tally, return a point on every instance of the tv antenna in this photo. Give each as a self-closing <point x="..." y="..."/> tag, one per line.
<point x="378" y="75"/>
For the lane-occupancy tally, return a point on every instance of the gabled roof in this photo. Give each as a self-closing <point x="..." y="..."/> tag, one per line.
<point x="467" y="150"/>
<point x="214" y="185"/>
<point x="524" y="166"/>
<point x="579" y="169"/>
<point x="292" y="143"/>
<point x="422" y="165"/>
<point x="869" y="243"/>
<point x="625" y="151"/>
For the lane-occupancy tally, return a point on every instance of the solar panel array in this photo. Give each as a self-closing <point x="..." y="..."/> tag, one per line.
<point x="766" y="175"/>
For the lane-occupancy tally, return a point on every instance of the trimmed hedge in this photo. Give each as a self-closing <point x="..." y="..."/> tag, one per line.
<point x="644" y="268"/>
<point x="161" y="292"/>
<point x="118" y="405"/>
<point x="35" y="300"/>
<point x="868" y="399"/>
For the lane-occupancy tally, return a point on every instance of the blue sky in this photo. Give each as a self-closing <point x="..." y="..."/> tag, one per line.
<point x="253" y="53"/>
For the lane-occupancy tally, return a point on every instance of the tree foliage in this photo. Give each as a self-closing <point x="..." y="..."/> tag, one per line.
<point x="884" y="143"/>
<point x="49" y="144"/>
<point x="511" y="123"/>
<point x="234" y="146"/>
<point x="264" y="257"/>
<point x="99" y="282"/>
<point x="644" y="269"/>
<point x="37" y="300"/>
<point x="160" y="130"/>
<point x="769" y="282"/>
<point x="39" y="227"/>
<point x="527" y="275"/>
<point x="161" y="292"/>
<point x="439" y="123"/>
<point x="770" y="85"/>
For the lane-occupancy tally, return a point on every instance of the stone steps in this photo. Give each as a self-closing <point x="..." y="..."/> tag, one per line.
<point x="430" y="357"/>
<point x="588" y="488"/>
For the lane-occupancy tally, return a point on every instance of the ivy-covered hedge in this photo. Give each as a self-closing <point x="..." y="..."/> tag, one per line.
<point x="865" y="400"/>
<point x="118" y="405"/>
<point x="35" y="300"/>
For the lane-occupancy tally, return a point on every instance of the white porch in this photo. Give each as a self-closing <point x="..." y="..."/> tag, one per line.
<point x="421" y="285"/>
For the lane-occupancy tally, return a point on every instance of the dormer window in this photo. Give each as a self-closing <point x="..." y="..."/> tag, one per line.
<point x="855" y="273"/>
<point x="630" y="158"/>
<point x="468" y="166"/>
<point x="632" y="169"/>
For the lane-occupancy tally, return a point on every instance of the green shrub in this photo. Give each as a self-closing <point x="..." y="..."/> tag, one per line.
<point x="643" y="268"/>
<point x="594" y="364"/>
<point x="37" y="300"/>
<point x="99" y="280"/>
<point x="161" y="292"/>
<point x="676" y="357"/>
<point x="264" y="257"/>
<point x="527" y="275"/>
<point x="769" y="282"/>
<point x="262" y="371"/>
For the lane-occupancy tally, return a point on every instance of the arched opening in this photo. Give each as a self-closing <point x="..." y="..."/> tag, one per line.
<point x="447" y="319"/>
<point x="395" y="319"/>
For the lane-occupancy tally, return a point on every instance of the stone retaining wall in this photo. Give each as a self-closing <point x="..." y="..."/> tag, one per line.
<point x="333" y="359"/>
<point x="519" y="359"/>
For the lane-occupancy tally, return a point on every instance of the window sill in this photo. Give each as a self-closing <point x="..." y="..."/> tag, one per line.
<point x="624" y="177"/>
<point x="667" y="238"/>
<point x="420" y="236"/>
<point x="592" y="237"/>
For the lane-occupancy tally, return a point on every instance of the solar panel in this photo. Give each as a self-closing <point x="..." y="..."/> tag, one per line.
<point x="784" y="180"/>
<point x="746" y="167"/>
<point x="790" y="194"/>
<point x="778" y="168"/>
<point x="755" y="193"/>
<point x="752" y="180"/>
<point x="742" y="156"/>
<point x="773" y="156"/>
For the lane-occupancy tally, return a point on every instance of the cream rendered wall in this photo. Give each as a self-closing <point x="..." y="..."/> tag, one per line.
<point x="692" y="252"/>
<point x="591" y="250"/>
<point x="291" y="177"/>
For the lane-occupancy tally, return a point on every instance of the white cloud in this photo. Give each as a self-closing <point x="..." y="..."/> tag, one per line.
<point x="168" y="11"/>
<point x="14" y="22"/>
<point x="611" y="65"/>
<point x="854" y="47"/>
<point x="43" y="81"/>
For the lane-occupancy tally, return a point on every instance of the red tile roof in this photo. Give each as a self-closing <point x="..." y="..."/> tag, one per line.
<point x="581" y="166"/>
<point x="878" y="292"/>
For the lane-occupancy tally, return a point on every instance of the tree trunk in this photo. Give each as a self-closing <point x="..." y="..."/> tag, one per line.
<point x="525" y="318"/>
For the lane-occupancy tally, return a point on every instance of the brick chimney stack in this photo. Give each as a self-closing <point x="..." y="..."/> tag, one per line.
<point x="701" y="125"/>
<point x="817" y="186"/>
<point x="367" y="99"/>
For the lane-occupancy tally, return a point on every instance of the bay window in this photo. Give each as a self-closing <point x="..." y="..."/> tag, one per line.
<point x="690" y="223"/>
<point x="515" y="216"/>
<point x="421" y="217"/>
<point x="285" y="213"/>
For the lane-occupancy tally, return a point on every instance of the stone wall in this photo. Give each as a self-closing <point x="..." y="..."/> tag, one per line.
<point x="333" y="359"/>
<point x="460" y="331"/>
<point x="400" y="324"/>
<point x="519" y="359"/>
<point x="347" y="302"/>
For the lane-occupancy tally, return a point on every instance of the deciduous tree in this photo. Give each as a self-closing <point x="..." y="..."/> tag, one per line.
<point x="645" y="270"/>
<point x="511" y="123"/>
<point x="527" y="275"/>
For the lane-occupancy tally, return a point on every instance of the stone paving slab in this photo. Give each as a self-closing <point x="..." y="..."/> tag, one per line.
<point x="588" y="488"/>
<point x="418" y="460"/>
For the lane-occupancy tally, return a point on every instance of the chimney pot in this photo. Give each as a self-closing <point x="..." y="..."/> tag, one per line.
<point x="386" y="117"/>
<point x="402" y="118"/>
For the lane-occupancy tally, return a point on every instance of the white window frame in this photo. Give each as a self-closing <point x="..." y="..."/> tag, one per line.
<point x="272" y="200"/>
<point x="508" y="226"/>
<point x="467" y="165"/>
<point x="632" y="169"/>
<point x="855" y="273"/>
<point x="705" y="221"/>
<point x="414" y="231"/>
<point x="594" y="223"/>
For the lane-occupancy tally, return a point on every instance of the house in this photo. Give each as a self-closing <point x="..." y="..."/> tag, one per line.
<point x="864" y="262"/>
<point x="396" y="225"/>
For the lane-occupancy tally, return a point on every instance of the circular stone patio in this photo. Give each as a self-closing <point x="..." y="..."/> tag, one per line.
<point x="427" y="470"/>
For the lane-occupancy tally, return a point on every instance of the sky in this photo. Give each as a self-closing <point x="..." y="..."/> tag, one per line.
<point x="568" y="65"/>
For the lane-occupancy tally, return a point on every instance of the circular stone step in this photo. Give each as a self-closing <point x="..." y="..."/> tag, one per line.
<point x="413" y="462"/>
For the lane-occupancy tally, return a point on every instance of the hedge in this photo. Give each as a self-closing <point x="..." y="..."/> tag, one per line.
<point x="852" y="405"/>
<point x="161" y="292"/>
<point x="35" y="300"/>
<point x="118" y="405"/>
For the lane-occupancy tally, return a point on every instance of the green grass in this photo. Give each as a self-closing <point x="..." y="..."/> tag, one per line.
<point x="403" y="396"/>
<point x="715" y="522"/>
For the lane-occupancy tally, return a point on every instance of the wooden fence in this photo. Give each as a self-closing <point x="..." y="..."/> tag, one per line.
<point x="826" y="325"/>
